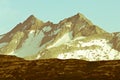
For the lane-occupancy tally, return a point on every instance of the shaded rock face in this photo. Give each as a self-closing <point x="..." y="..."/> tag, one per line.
<point x="13" y="68"/>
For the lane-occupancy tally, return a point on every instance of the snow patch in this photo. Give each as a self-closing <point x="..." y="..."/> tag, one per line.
<point x="32" y="31"/>
<point x="56" y="31"/>
<point x="38" y="56"/>
<point x="11" y="53"/>
<point x="105" y="52"/>
<point x="3" y="44"/>
<point x="90" y="55"/>
<point x="99" y="42"/>
<point x="68" y="24"/>
<point x="82" y="27"/>
<point x="47" y="28"/>
<point x="31" y="45"/>
<point x="65" y="38"/>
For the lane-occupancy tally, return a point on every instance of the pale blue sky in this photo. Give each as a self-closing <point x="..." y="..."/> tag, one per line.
<point x="104" y="13"/>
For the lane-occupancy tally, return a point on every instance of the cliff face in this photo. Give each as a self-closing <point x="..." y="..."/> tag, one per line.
<point x="13" y="68"/>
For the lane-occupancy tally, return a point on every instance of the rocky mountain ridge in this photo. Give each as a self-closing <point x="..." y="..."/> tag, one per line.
<point x="73" y="49"/>
<point x="75" y="37"/>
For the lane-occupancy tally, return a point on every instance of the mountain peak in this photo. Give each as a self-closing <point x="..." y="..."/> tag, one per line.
<point x="79" y="14"/>
<point x="31" y="17"/>
<point x="81" y="17"/>
<point x="77" y="19"/>
<point x="30" y="23"/>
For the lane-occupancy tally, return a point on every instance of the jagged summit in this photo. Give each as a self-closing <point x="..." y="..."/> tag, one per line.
<point x="32" y="16"/>
<point x="31" y="23"/>
<point x="81" y="18"/>
<point x="32" y="19"/>
<point x="78" y="19"/>
<point x="79" y="15"/>
<point x="81" y="26"/>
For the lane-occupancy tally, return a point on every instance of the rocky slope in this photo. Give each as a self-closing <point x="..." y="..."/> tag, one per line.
<point x="75" y="37"/>
<point x="116" y="41"/>
<point x="13" y="68"/>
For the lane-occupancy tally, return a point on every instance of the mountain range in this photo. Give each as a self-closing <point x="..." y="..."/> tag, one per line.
<point x="73" y="49"/>
<point x="75" y="37"/>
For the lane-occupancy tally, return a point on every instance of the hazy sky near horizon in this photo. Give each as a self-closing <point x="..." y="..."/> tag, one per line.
<point x="104" y="13"/>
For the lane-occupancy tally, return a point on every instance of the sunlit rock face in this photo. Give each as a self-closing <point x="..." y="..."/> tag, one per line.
<point x="75" y="37"/>
<point x="13" y="68"/>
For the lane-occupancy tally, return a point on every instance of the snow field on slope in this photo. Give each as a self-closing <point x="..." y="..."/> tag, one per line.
<point x="65" y="38"/>
<point x="31" y="45"/>
<point x="3" y="44"/>
<point x="47" y="29"/>
<point x="104" y="53"/>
